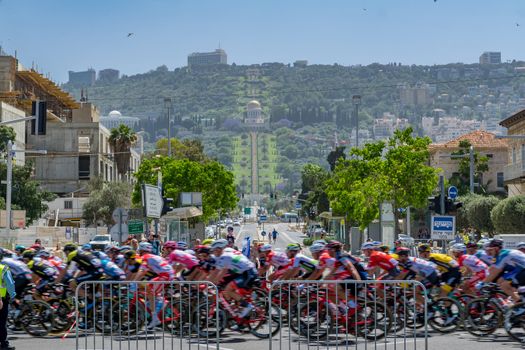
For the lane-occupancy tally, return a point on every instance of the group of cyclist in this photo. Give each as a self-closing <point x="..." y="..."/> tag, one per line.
<point x="467" y="267"/>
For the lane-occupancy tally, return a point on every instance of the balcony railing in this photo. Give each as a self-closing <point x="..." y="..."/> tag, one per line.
<point x="514" y="171"/>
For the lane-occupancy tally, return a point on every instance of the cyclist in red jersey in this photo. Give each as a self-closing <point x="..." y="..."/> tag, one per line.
<point x="163" y="271"/>
<point x="268" y="258"/>
<point x="477" y="268"/>
<point x="319" y="253"/>
<point x="380" y="261"/>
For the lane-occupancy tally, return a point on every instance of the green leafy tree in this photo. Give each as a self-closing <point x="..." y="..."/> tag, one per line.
<point x="478" y="212"/>
<point x="104" y="198"/>
<point x="185" y="149"/>
<point x="121" y="139"/>
<point x="183" y="175"/>
<point x="7" y="133"/>
<point x="313" y="177"/>
<point x="410" y="179"/>
<point x="312" y="187"/>
<point x="335" y="155"/>
<point x="481" y="165"/>
<point x="355" y="188"/>
<point x="394" y="171"/>
<point x="508" y="215"/>
<point x="26" y="194"/>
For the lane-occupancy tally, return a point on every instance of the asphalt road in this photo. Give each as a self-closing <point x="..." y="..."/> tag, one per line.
<point x="284" y="340"/>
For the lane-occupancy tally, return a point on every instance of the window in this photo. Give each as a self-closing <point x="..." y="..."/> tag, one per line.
<point x="68" y="204"/>
<point x="83" y="167"/>
<point x="513" y="155"/>
<point x="83" y="144"/>
<point x="523" y="156"/>
<point x="490" y="155"/>
<point x="500" y="180"/>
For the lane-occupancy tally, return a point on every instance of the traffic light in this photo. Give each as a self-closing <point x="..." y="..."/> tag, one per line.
<point x="166" y="205"/>
<point x="38" y="125"/>
<point x="451" y="206"/>
<point x="434" y="204"/>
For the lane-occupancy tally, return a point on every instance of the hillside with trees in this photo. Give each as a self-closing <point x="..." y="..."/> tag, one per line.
<point x="304" y="95"/>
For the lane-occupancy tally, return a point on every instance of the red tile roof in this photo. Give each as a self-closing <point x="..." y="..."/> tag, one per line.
<point x="478" y="139"/>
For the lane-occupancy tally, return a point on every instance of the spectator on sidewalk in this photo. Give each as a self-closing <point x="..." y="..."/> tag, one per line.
<point x="7" y="292"/>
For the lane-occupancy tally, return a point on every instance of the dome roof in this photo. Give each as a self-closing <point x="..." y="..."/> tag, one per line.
<point x="254" y="104"/>
<point x="115" y="114"/>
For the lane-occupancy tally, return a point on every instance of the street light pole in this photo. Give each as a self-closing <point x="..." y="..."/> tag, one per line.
<point x="167" y="104"/>
<point x="9" y="186"/>
<point x="471" y="170"/>
<point x="357" y="101"/>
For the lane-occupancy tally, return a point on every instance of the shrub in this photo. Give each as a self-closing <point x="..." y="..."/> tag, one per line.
<point x="509" y="215"/>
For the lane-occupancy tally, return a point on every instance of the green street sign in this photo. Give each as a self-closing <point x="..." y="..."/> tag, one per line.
<point x="135" y="227"/>
<point x="247" y="211"/>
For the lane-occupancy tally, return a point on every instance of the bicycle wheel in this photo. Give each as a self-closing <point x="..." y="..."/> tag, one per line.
<point x="63" y="315"/>
<point x="483" y="317"/>
<point x="263" y="319"/>
<point x="515" y="321"/>
<point x="445" y="315"/>
<point x="36" y="318"/>
<point x="372" y="320"/>
<point x="107" y="316"/>
<point x="205" y="321"/>
<point x="176" y="319"/>
<point x="131" y="315"/>
<point x="312" y="320"/>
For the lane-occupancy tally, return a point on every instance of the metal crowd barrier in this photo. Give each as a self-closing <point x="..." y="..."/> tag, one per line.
<point x="324" y="314"/>
<point x="116" y="315"/>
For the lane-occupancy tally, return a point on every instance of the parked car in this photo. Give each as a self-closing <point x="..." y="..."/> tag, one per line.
<point x="100" y="242"/>
<point x="236" y="223"/>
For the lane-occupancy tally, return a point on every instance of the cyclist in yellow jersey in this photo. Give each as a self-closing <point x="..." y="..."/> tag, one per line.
<point x="447" y="266"/>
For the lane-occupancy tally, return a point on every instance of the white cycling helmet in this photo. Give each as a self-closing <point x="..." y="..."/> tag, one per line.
<point x="265" y="248"/>
<point x="219" y="244"/>
<point x="458" y="247"/>
<point x="368" y="245"/>
<point x="317" y="247"/>
<point x="520" y="245"/>
<point x="145" y="247"/>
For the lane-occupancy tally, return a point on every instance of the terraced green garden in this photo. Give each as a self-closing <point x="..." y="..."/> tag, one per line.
<point x="267" y="159"/>
<point x="241" y="165"/>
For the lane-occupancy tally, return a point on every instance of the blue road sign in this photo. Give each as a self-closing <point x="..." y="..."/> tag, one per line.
<point x="452" y="192"/>
<point x="298" y="205"/>
<point x="262" y="218"/>
<point x="443" y="227"/>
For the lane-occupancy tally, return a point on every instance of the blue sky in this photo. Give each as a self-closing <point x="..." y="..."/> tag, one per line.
<point x="62" y="35"/>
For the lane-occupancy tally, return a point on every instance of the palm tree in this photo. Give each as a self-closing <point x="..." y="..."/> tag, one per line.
<point x="121" y="139"/>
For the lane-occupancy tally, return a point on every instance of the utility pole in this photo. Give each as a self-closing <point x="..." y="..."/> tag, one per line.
<point x="9" y="185"/>
<point x="471" y="168"/>
<point x="167" y="105"/>
<point x="357" y="101"/>
<point x="442" y="191"/>
<point x="409" y="229"/>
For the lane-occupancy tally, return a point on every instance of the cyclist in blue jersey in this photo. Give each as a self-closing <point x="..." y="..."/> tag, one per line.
<point x="508" y="269"/>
